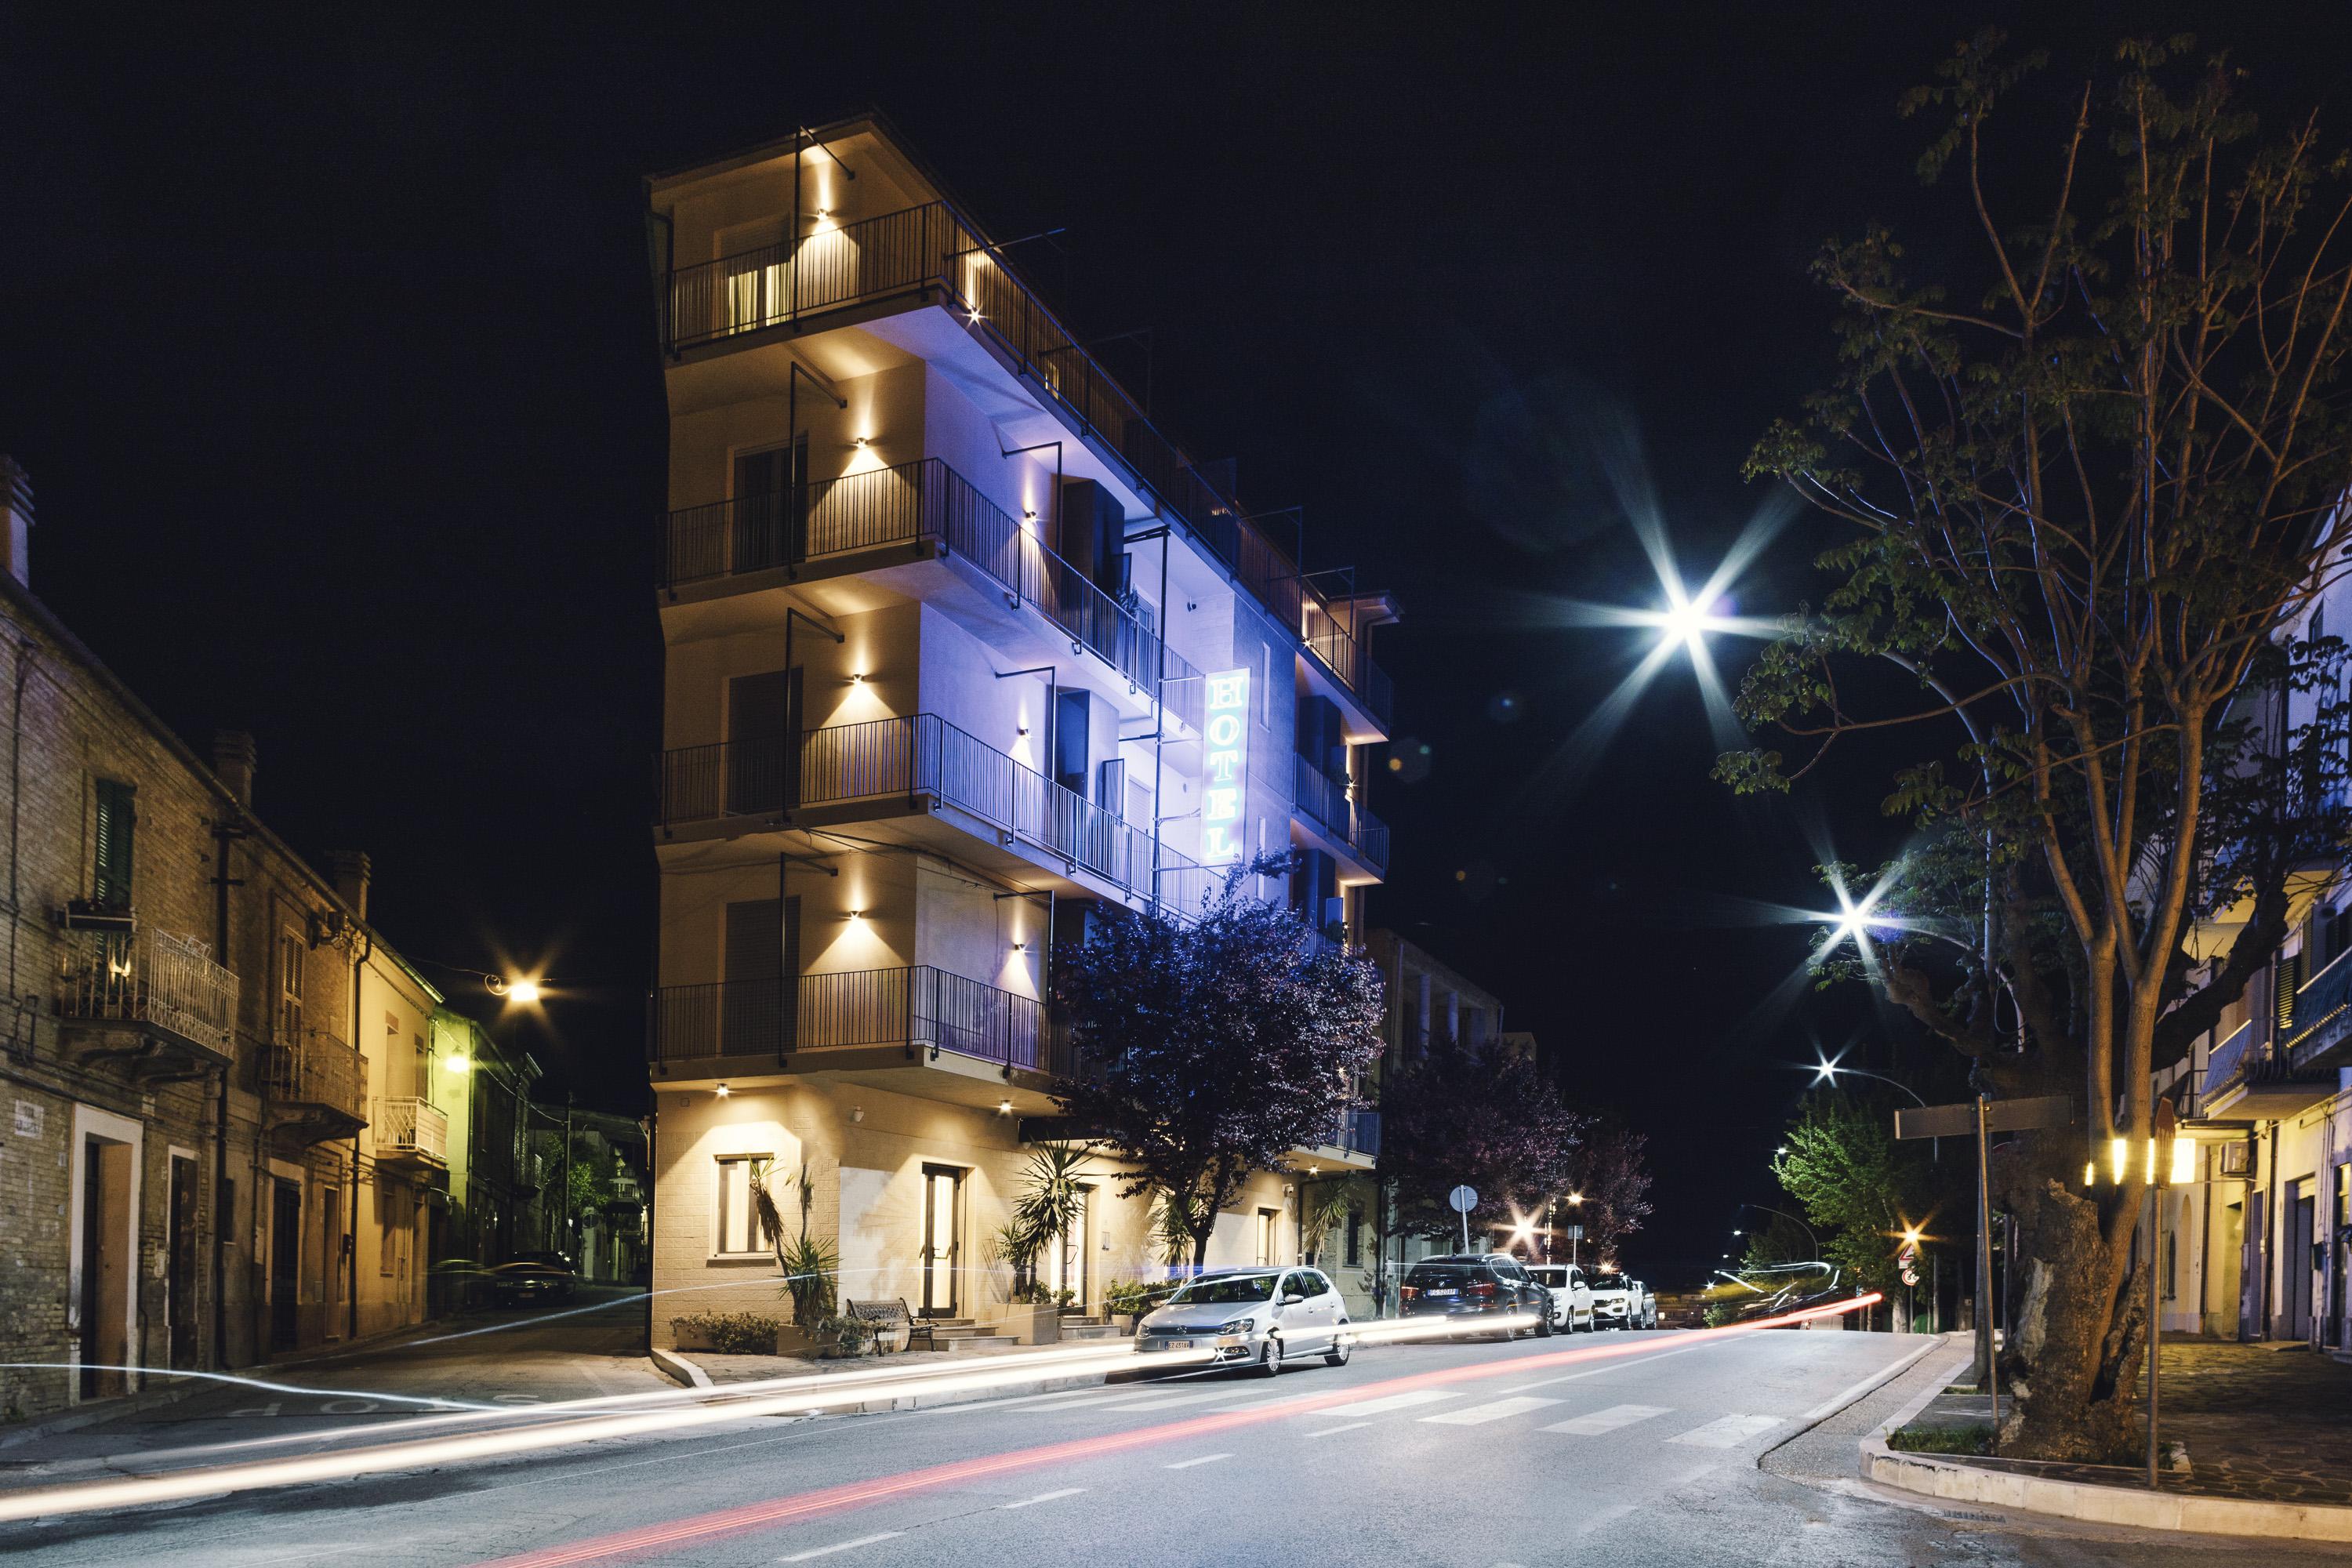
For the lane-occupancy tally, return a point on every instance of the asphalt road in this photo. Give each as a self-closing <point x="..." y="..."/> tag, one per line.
<point x="1475" y="1454"/>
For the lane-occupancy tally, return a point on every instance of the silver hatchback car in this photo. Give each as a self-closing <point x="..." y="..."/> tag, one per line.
<point x="1259" y="1317"/>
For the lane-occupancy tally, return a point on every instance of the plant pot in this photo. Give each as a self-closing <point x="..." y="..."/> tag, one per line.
<point x="1032" y="1325"/>
<point x="793" y="1340"/>
<point x="894" y="1338"/>
<point x="1125" y="1322"/>
<point x="687" y="1340"/>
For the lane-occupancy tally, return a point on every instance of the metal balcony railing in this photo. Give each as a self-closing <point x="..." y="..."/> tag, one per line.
<point x="413" y="1127"/>
<point x="150" y="976"/>
<point x="1369" y="836"/>
<point x="921" y="754"/>
<point x="2323" y="1014"/>
<point x="932" y="247"/>
<point x="918" y="1007"/>
<point x="1356" y="1129"/>
<point x="925" y="499"/>
<point x="315" y="1069"/>
<point x="1320" y="796"/>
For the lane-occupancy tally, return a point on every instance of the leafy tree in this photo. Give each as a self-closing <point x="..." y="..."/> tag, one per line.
<point x="1214" y="1045"/>
<point x="2086" y="465"/>
<point x="1457" y="1114"/>
<point x="1857" y="1186"/>
<point x="1612" y="1170"/>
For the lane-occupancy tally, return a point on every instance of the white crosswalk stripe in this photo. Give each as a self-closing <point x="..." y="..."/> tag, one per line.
<point x="1404" y="1401"/>
<point x="1479" y="1415"/>
<point x="1168" y="1401"/>
<point x="1728" y="1433"/>
<point x="1609" y="1420"/>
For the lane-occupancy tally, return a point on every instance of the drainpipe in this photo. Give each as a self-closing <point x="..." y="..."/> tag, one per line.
<point x="223" y="834"/>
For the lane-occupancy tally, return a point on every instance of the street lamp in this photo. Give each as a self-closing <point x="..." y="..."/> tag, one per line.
<point x="523" y="988"/>
<point x="2167" y="1159"/>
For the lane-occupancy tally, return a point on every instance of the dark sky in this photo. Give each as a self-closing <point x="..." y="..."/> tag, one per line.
<point x="329" y="344"/>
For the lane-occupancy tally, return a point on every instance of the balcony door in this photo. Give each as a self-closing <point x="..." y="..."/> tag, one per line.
<point x="759" y="1002"/>
<point x="285" y="1261"/>
<point x="771" y="511"/>
<point x="943" y="1234"/>
<point x="763" y="742"/>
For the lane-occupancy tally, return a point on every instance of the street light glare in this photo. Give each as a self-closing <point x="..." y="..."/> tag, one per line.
<point x="523" y="989"/>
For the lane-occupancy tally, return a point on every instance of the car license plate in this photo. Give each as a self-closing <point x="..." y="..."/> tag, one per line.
<point x="1441" y="1292"/>
<point x="1179" y="1344"/>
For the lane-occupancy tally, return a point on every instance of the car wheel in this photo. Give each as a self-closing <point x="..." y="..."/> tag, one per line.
<point x="1341" y="1349"/>
<point x="1270" y="1364"/>
<point x="1543" y="1325"/>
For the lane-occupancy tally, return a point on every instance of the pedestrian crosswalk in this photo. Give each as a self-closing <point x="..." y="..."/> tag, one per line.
<point x="1430" y="1407"/>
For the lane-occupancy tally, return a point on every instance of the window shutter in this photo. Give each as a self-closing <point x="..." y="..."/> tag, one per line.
<point x="110" y="877"/>
<point x="2290" y="975"/>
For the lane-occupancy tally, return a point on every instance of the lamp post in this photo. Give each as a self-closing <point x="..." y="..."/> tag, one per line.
<point x="2168" y="1159"/>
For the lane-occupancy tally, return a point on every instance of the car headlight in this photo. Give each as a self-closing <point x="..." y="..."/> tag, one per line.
<point x="1242" y="1326"/>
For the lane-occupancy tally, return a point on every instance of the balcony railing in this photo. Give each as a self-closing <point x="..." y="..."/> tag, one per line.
<point x="1356" y="1129"/>
<point x="1320" y="796"/>
<point x="1369" y="836"/>
<point x="316" y="1070"/>
<point x="932" y="247"/>
<point x="921" y="754"/>
<point x="150" y="977"/>
<point x="412" y="1127"/>
<point x="924" y="500"/>
<point x="918" y="1007"/>
<point x="2323" y="1014"/>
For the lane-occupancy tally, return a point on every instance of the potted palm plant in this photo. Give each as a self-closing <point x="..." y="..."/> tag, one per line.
<point x="808" y="1264"/>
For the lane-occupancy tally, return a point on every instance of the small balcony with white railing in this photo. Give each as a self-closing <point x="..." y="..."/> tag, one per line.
<point x="411" y="1132"/>
<point x="313" y="1087"/>
<point x="145" y="995"/>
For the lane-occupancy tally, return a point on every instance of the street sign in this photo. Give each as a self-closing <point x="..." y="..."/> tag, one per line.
<point x="1463" y="1199"/>
<point x="2000" y="1116"/>
<point x="1574" y="1232"/>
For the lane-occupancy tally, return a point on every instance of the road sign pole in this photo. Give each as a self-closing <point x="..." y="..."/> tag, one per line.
<point x="2155" y="1330"/>
<point x="1984" y="1267"/>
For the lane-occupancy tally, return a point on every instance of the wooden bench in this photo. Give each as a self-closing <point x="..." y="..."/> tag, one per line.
<point x="894" y="1314"/>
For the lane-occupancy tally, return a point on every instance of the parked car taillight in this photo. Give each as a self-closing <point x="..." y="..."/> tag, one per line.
<point x="1409" y="1292"/>
<point x="1486" y="1290"/>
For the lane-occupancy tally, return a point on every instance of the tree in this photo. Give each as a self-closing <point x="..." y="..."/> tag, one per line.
<point x="1212" y="1046"/>
<point x="1612" y="1170"/>
<point x="2088" y="481"/>
<point x="1858" y="1187"/>
<point x="1457" y="1115"/>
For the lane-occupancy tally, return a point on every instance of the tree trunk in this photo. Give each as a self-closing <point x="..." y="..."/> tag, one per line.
<point x="2076" y="1326"/>
<point x="1200" y="1245"/>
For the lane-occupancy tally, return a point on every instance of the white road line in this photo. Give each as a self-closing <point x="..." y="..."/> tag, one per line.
<point x="1610" y="1366"/>
<point x="1204" y="1460"/>
<point x="1604" y="1421"/>
<point x="1163" y="1401"/>
<point x="1479" y="1415"/>
<point x="1335" y="1431"/>
<point x="1728" y="1433"/>
<point x="840" y="1546"/>
<point x="1404" y="1401"/>
<point x="1042" y="1497"/>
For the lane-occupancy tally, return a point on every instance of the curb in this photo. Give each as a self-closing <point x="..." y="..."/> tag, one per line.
<point x="1853" y="1396"/>
<point x="677" y="1368"/>
<point x="1956" y="1481"/>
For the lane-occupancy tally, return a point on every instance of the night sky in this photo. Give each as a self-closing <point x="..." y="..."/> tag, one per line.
<point x="329" y="344"/>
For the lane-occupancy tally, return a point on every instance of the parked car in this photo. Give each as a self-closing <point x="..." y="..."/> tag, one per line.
<point x="1571" y="1295"/>
<point x="1475" y="1285"/>
<point x="1622" y="1301"/>
<point x="529" y="1280"/>
<point x="1260" y="1318"/>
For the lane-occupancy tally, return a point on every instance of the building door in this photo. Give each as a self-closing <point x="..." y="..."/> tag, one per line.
<point x="180" y="1270"/>
<point x="760" y="741"/>
<point x="330" y="1206"/>
<point x="95" y="1265"/>
<point x="752" y="1014"/>
<point x="2339" y="1237"/>
<point x="942" y="1233"/>
<point x="1072" y="1250"/>
<point x="1269" y="1222"/>
<point x="285" y="1260"/>
<point x="771" y="507"/>
<point x="2298" y="1264"/>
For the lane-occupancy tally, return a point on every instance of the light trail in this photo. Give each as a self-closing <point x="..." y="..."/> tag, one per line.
<point x="679" y="1533"/>
<point x="810" y="1394"/>
<point x="265" y="1386"/>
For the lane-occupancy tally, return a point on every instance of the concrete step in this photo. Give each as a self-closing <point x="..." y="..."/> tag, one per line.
<point x="1071" y="1331"/>
<point x="975" y="1345"/>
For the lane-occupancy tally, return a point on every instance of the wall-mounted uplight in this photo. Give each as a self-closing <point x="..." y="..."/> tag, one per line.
<point x="855" y="916"/>
<point x="721" y="1091"/>
<point x="1020" y="947"/>
<point x="1004" y="1108"/>
<point x="861" y="442"/>
<point x="1025" y="729"/>
<point x="856" y="677"/>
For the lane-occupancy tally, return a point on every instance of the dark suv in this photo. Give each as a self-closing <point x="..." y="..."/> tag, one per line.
<point x="1476" y="1285"/>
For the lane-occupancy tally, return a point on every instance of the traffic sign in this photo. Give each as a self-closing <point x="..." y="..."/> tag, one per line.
<point x="2000" y="1116"/>
<point x="1463" y="1199"/>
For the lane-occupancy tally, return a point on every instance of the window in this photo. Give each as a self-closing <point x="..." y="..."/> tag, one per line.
<point x="109" y="882"/>
<point x="1265" y="684"/>
<point x="1267" y="1220"/>
<point x="291" y="951"/>
<point x="736" y="1214"/>
<point x="421" y="1072"/>
<point x="1354" y="1253"/>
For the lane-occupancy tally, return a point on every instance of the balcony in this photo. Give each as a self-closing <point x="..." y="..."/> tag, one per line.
<point x="1326" y="804"/>
<point x="151" y="997"/>
<point x="313" y="1087"/>
<point x="930" y="252"/>
<point x="1354" y="1140"/>
<point x="2246" y="1079"/>
<point x="895" y="766"/>
<point x="925" y="507"/>
<point x="411" y="1132"/>
<point x="875" y="1018"/>
<point x="2321" y="1035"/>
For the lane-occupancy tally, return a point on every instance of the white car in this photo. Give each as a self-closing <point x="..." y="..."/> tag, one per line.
<point x="1571" y="1296"/>
<point x="1622" y="1301"/>
<point x="1258" y="1318"/>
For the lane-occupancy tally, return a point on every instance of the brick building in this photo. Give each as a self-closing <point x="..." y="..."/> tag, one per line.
<point x="194" y="1023"/>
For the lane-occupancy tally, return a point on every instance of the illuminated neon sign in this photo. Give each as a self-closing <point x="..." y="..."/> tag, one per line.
<point x="1225" y="767"/>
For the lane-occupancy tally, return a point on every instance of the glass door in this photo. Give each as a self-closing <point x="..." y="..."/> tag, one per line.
<point x="1069" y="1254"/>
<point x="942" y="1228"/>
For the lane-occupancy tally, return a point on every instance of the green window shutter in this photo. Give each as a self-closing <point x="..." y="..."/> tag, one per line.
<point x="2290" y="975"/>
<point x="111" y="881"/>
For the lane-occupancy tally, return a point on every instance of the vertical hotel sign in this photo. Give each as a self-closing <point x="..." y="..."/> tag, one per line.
<point x="1224" y="766"/>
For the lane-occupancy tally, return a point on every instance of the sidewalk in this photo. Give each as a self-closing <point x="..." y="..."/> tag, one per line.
<point x="2266" y="1430"/>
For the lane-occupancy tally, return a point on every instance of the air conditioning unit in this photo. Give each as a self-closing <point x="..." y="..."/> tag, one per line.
<point x="82" y="914"/>
<point x="2235" y="1160"/>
